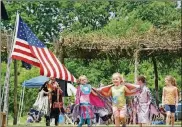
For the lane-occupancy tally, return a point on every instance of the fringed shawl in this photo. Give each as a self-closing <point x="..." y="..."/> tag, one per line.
<point x="94" y="100"/>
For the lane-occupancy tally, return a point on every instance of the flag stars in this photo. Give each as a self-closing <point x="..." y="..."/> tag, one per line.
<point x="25" y="33"/>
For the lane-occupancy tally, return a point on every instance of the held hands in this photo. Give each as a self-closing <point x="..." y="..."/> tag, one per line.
<point x="135" y="90"/>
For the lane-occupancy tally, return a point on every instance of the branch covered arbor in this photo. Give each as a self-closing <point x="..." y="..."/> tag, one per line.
<point x="154" y="43"/>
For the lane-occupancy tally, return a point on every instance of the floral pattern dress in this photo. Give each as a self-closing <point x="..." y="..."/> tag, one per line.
<point x="144" y="100"/>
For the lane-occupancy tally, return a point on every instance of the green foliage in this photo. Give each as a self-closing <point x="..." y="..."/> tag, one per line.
<point x="159" y="13"/>
<point x="41" y="17"/>
<point x="80" y="17"/>
<point x="23" y="74"/>
<point x="97" y="71"/>
<point x="126" y="27"/>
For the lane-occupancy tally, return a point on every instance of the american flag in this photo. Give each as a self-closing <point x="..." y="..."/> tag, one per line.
<point x="28" y="48"/>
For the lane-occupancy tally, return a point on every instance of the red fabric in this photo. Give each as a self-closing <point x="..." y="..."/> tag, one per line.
<point x="57" y="104"/>
<point x="96" y="101"/>
<point x="128" y="85"/>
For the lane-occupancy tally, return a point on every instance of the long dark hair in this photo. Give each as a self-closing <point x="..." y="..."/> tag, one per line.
<point x="43" y="86"/>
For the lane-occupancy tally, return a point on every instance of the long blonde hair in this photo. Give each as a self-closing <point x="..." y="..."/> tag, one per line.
<point x="171" y="79"/>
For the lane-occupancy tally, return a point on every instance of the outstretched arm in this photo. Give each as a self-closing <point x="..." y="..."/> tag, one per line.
<point x="107" y="94"/>
<point x="127" y="90"/>
<point x="93" y="92"/>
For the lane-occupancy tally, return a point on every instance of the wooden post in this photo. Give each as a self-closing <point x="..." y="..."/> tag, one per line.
<point x="156" y="80"/>
<point x="61" y="58"/>
<point x="60" y="53"/>
<point x="135" y="78"/>
<point x="7" y="78"/>
<point x="15" y="93"/>
<point x="136" y="64"/>
<point x="59" y="49"/>
<point x="6" y="97"/>
<point x="3" y="119"/>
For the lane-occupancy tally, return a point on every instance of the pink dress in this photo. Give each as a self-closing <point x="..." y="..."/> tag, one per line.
<point x="144" y="99"/>
<point x="84" y="103"/>
<point x="86" y="110"/>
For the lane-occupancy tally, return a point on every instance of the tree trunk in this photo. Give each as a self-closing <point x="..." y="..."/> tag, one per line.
<point x="15" y="93"/>
<point x="59" y="49"/>
<point x="61" y="55"/>
<point x="156" y="80"/>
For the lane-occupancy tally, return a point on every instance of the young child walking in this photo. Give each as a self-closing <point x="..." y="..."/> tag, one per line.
<point x="117" y="92"/>
<point x="83" y="99"/>
<point x="170" y="99"/>
<point x="144" y="102"/>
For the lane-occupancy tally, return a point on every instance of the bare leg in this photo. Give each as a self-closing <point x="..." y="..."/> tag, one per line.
<point x="144" y="124"/>
<point x="168" y="117"/>
<point x="117" y="121"/>
<point x="172" y="119"/>
<point x="140" y="124"/>
<point x="134" y="117"/>
<point x="123" y="121"/>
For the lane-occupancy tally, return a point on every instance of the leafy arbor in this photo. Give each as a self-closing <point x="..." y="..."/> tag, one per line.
<point x="108" y="31"/>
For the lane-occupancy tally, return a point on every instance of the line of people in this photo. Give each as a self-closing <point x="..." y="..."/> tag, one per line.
<point x="90" y="101"/>
<point x="144" y="104"/>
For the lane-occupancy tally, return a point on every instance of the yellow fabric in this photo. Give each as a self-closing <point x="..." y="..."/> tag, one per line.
<point x="118" y="96"/>
<point x="170" y="96"/>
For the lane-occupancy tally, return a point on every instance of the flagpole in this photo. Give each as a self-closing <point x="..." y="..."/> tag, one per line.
<point x="6" y="84"/>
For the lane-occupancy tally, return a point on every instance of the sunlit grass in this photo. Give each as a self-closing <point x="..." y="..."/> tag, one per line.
<point x="23" y="123"/>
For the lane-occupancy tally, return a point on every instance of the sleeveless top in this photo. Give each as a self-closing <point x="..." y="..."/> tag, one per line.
<point x="85" y="93"/>
<point x="170" y="97"/>
<point x="118" y="96"/>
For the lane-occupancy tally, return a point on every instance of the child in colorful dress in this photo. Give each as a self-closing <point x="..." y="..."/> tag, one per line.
<point x="170" y="98"/>
<point x="118" y="98"/>
<point x="86" y="112"/>
<point x="144" y="101"/>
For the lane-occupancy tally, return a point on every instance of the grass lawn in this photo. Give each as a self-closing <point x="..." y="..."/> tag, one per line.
<point x="42" y="123"/>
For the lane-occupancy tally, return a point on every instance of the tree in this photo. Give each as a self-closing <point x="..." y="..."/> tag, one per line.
<point x="41" y="17"/>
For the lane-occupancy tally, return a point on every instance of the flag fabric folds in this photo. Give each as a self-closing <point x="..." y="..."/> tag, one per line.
<point x="28" y="48"/>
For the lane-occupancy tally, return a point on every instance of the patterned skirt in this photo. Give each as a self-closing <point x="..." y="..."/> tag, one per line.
<point x="86" y="111"/>
<point x="143" y="113"/>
